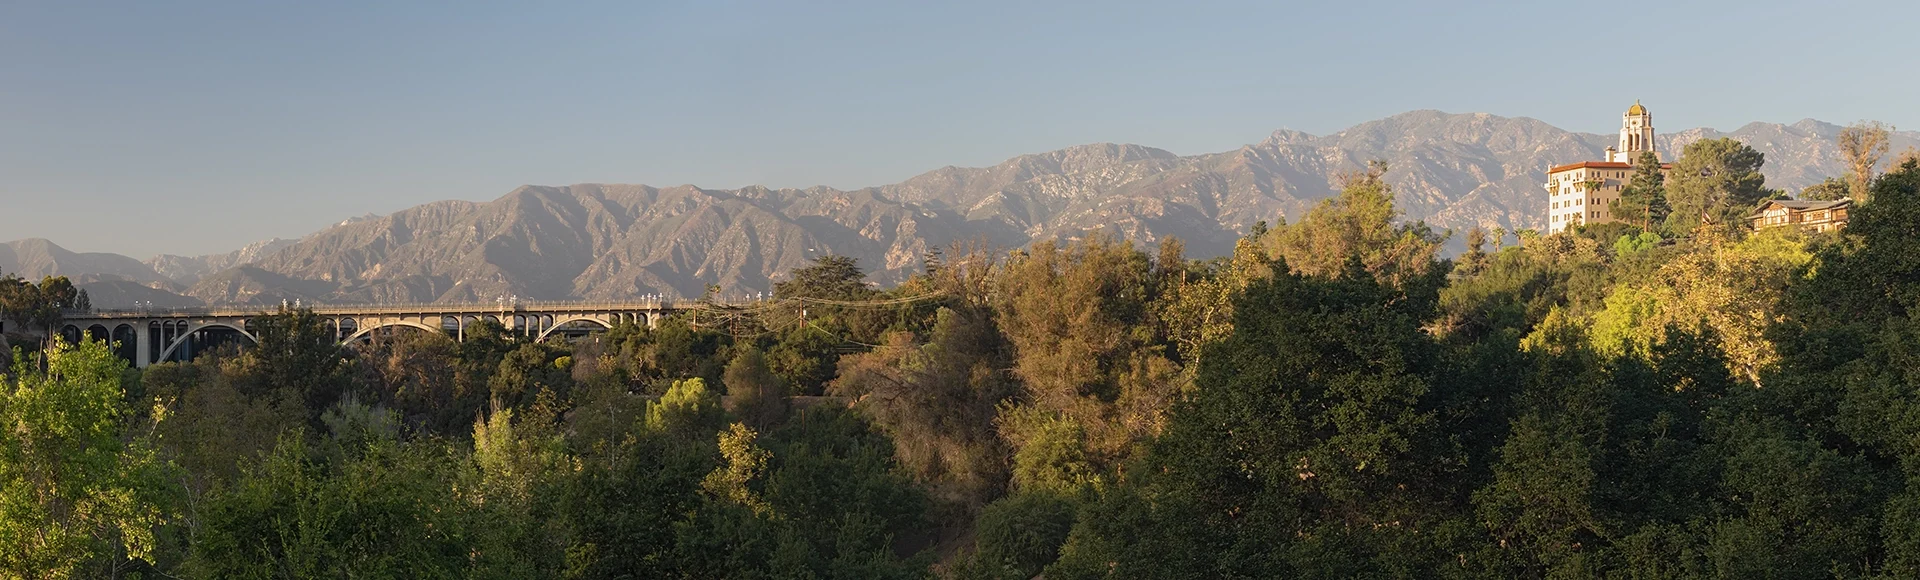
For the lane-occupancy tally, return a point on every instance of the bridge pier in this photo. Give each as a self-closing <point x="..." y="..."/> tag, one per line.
<point x="143" y="351"/>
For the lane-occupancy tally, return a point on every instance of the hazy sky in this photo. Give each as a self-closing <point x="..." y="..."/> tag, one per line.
<point x="195" y="127"/>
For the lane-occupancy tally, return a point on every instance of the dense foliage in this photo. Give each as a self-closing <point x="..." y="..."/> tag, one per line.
<point x="1670" y="397"/>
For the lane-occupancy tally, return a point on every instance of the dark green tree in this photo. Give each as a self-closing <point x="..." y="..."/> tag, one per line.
<point x="754" y="394"/>
<point x="1844" y="400"/>
<point x="385" y="510"/>
<point x="1308" y="448"/>
<point x="1829" y="189"/>
<point x="829" y="277"/>
<point x="1716" y="181"/>
<point x="1644" y="199"/>
<point x="297" y="353"/>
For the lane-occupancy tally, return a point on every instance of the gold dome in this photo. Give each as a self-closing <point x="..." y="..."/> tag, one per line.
<point x="1636" y="109"/>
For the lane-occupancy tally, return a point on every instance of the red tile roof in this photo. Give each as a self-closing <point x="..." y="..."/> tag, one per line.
<point x="1598" y="165"/>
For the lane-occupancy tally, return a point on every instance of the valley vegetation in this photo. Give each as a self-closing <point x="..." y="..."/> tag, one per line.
<point x="1673" y="398"/>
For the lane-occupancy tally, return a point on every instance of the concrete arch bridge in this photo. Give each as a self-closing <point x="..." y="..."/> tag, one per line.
<point x="150" y="336"/>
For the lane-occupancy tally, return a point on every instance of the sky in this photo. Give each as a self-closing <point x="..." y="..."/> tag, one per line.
<point x="189" y="127"/>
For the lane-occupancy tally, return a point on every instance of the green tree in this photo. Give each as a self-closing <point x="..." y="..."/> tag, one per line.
<point x="40" y="306"/>
<point x="938" y="402"/>
<point x="818" y="294"/>
<point x="527" y="371"/>
<point x="1197" y="307"/>
<point x="829" y="277"/>
<point x="212" y="428"/>
<point x="1360" y="221"/>
<point x="688" y="410"/>
<point x="754" y="394"/>
<point x="1829" y="189"/>
<point x="1079" y="321"/>
<point x="806" y="357"/>
<point x="1715" y="181"/>
<point x="80" y="494"/>
<point x="296" y="352"/>
<point x="423" y="377"/>
<point x="1018" y="536"/>
<point x="1309" y="447"/>
<point x="743" y="461"/>
<point x="1644" y="199"/>
<point x="619" y="511"/>
<point x="1844" y="402"/>
<point x="522" y="467"/>
<point x="384" y="510"/>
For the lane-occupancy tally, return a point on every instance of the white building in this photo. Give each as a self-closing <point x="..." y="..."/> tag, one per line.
<point x="1581" y="193"/>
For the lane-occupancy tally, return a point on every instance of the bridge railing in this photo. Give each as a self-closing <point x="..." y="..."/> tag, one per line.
<point x="340" y="309"/>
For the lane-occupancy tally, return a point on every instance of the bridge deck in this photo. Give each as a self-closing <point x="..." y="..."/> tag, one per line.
<point x="475" y="308"/>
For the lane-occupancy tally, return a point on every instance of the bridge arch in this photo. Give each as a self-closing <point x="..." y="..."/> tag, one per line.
<point x="562" y="323"/>
<point x="372" y="326"/>
<point x="126" y="343"/>
<point x="186" y="332"/>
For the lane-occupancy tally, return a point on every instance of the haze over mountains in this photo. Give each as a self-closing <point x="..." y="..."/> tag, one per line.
<point x="605" y="241"/>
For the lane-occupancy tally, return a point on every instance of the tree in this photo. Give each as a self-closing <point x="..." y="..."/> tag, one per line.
<point x="754" y="394"/>
<point x="1197" y="309"/>
<point x="1359" y="221"/>
<point x="1603" y="456"/>
<point x="1851" y="329"/>
<point x="1715" y="181"/>
<point x="1911" y="153"/>
<point x="1861" y="146"/>
<point x="522" y="466"/>
<point x="688" y="410"/>
<point x="817" y="498"/>
<point x="1829" y="189"/>
<point x="79" y="493"/>
<point x="529" y="370"/>
<point x="1308" y="448"/>
<point x="1476" y="256"/>
<point x="829" y="277"/>
<point x="422" y="375"/>
<point x="386" y="510"/>
<point x="744" y="461"/>
<point x="40" y="306"/>
<point x="1018" y="536"/>
<point x="296" y="352"/>
<point x="1732" y="287"/>
<point x="938" y="402"/>
<point x="813" y="294"/>
<point x="1075" y="317"/>
<point x="1644" y="199"/>
<point x="212" y="429"/>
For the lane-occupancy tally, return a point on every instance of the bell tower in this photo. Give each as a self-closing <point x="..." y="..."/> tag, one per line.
<point x="1636" y="135"/>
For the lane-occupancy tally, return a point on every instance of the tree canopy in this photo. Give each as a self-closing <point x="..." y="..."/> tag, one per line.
<point x="1332" y="400"/>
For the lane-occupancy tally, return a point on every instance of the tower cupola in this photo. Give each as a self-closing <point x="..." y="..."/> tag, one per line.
<point x="1636" y="135"/>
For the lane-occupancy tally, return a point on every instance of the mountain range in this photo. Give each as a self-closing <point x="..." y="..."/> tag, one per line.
<point x="610" y="241"/>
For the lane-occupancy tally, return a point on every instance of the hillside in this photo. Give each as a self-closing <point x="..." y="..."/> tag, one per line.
<point x="606" y="241"/>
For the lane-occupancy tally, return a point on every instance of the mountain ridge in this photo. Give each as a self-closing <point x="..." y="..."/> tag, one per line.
<point x="608" y="241"/>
